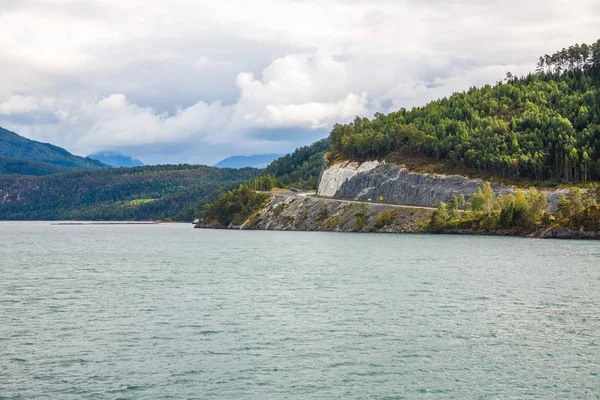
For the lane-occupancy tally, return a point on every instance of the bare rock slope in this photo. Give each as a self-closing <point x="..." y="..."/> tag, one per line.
<point x="315" y="214"/>
<point x="396" y="184"/>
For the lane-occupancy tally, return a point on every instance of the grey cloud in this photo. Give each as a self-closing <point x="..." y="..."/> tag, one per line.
<point x="167" y="74"/>
<point x="195" y="81"/>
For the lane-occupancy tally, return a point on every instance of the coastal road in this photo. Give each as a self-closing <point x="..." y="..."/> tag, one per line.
<point x="289" y="193"/>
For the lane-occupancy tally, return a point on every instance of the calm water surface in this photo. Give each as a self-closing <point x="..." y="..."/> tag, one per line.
<point x="166" y="311"/>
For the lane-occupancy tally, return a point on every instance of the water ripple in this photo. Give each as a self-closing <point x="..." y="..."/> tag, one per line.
<point x="165" y="311"/>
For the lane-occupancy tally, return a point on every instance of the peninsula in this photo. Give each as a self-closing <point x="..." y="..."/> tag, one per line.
<point x="517" y="158"/>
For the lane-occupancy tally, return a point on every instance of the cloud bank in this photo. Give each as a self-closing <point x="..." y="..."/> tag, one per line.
<point x="188" y="81"/>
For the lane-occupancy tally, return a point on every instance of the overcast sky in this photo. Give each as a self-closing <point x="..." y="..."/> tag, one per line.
<point x="199" y="80"/>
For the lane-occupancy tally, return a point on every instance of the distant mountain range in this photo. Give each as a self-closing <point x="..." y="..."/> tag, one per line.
<point x="116" y="159"/>
<point x="254" y="161"/>
<point x="22" y="156"/>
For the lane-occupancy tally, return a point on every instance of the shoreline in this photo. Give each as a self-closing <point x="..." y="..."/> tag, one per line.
<point x="549" y="233"/>
<point x="74" y="223"/>
<point x="291" y="212"/>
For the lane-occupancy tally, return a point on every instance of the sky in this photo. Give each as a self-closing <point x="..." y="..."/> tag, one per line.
<point x="195" y="81"/>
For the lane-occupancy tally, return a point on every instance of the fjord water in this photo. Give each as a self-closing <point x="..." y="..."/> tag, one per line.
<point x="166" y="311"/>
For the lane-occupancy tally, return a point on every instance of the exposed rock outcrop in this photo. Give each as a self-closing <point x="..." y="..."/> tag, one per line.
<point x="289" y="213"/>
<point x="372" y="179"/>
<point x="315" y="214"/>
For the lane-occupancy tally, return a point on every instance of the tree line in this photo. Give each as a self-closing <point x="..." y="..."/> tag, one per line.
<point x="576" y="57"/>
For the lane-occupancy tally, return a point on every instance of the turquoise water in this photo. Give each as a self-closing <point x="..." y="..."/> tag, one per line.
<point x="166" y="311"/>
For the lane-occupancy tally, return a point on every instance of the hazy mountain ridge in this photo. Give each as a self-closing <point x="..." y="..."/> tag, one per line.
<point x="115" y="159"/>
<point x="253" y="161"/>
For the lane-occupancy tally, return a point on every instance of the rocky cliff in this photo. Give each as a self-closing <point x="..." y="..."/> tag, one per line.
<point x="294" y="213"/>
<point x="396" y="184"/>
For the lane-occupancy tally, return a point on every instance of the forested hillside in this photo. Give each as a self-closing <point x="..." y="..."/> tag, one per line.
<point x="21" y="166"/>
<point x="300" y="170"/>
<point x="145" y="193"/>
<point x="544" y="126"/>
<point x="19" y="155"/>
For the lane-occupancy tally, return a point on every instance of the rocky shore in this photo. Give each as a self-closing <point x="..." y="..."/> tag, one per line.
<point x="315" y="214"/>
<point x="548" y="233"/>
<point x="282" y="213"/>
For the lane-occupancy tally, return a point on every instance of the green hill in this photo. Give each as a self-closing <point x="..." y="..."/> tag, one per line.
<point x="19" y="155"/>
<point x="544" y="126"/>
<point x="21" y="166"/>
<point x="300" y="169"/>
<point x="143" y="193"/>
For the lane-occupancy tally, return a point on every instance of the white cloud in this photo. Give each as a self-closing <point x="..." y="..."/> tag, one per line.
<point x="319" y="115"/>
<point x="18" y="104"/>
<point x="296" y="77"/>
<point x="299" y="90"/>
<point x="203" y="79"/>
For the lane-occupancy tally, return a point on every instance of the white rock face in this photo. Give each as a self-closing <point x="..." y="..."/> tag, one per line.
<point x="334" y="177"/>
<point x="372" y="179"/>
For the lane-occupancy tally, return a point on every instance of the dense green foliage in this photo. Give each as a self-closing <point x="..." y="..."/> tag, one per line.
<point x="522" y="210"/>
<point x="542" y="126"/>
<point x="21" y="166"/>
<point x="44" y="157"/>
<point x="579" y="210"/>
<point x="300" y="169"/>
<point x="264" y="182"/>
<point x="144" y="193"/>
<point x="234" y="207"/>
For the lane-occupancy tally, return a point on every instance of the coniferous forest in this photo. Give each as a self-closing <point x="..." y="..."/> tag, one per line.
<point x="543" y="126"/>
